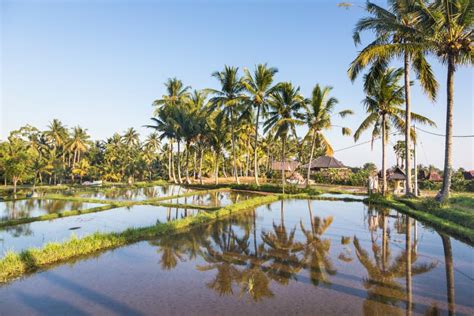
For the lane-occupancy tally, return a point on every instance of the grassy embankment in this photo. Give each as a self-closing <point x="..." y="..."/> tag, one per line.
<point x="14" y="265"/>
<point x="455" y="217"/>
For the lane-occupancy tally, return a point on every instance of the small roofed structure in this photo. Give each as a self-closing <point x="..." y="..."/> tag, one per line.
<point x="325" y="162"/>
<point x="468" y="175"/>
<point x="398" y="177"/>
<point x="429" y="176"/>
<point x="288" y="166"/>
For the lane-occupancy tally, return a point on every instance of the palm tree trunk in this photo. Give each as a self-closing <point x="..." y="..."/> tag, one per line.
<point x="233" y="151"/>
<point x="216" y="169"/>
<point x="448" y="261"/>
<point x="188" y="181"/>
<point x="443" y="195"/>
<point x="180" y="180"/>
<point x="201" y="154"/>
<point x="223" y="167"/>
<point x="308" y="176"/>
<point x="384" y="157"/>
<point x="172" y="163"/>
<point x="194" y="165"/>
<point x="407" y="125"/>
<point x="247" y="158"/>
<point x="255" y="159"/>
<point x="169" y="165"/>
<point x="283" y="163"/>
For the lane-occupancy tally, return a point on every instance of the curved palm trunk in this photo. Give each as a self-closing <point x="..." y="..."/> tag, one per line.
<point x="448" y="260"/>
<point x="180" y="180"/>
<point x="194" y="165"/>
<point x="172" y="163"/>
<point x="407" y="125"/>
<point x="308" y="175"/>
<point x="283" y="164"/>
<point x="169" y="165"/>
<point x="443" y="195"/>
<point x="255" y="159"/>
<point x="233" y="151"/>
<point x="384" y="157"/>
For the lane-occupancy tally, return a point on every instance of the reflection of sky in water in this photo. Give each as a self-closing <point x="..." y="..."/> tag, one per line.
<point x="333" y="257"/>
<point x="342" y="196"/>
<point x="216" y="199"/>
<point x="137" y="194"/>
<point x="31" y="208"/>
<point x="36" y="234"/>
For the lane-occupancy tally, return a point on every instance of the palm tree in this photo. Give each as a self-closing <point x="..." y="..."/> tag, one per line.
<point x="448" y="33"/>
<point x="396" y="30"/>
<point x="151" y="148"/>
<point x="318" y="118"/>
<point x="218" y="137"/>
<point x="79" y="143"/>
<point x="285" y="103"/>
<point x="383" y="101"/>
<point x="260" y="88"/>
<point x="229" y="100"/>
<point x="131" y="137"/>
<point x="176" y="93"/>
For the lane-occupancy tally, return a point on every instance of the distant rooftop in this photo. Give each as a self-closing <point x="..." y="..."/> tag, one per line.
<point x="326" y="162"/>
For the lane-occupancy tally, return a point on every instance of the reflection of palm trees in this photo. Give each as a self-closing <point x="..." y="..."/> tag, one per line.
<point x="381" y="283"/>
<point x="448" y="260"/>
<point x="282" y="251"/>
<point x="316" y="251"/>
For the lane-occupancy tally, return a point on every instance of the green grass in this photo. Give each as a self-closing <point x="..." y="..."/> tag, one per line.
<point x="450" y="218"/>
<point x="14" y="265"/>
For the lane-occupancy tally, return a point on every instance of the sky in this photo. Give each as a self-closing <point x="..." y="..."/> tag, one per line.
<point x="100" y="64"/>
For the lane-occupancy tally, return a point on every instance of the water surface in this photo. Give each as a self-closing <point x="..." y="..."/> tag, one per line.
<point x="31" y="207"/>
<point x="215" y="199"/>
<point x="36" y="234"/>
<point x="136" y="194"/>
<point x="290" y="257"/>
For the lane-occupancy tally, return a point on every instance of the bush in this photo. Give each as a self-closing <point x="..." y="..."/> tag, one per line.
<point x="358" y="178"/>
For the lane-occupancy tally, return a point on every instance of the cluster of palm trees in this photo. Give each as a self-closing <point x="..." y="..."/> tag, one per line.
<point x="410" y="30"/>
<point x="60" y="153"/>
<point x="228" y="119"/>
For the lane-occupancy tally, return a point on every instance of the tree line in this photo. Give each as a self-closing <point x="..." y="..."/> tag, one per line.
<point x="250" y="121"/>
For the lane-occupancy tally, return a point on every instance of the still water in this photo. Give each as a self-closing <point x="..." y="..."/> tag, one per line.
<point x="30" y="208"/>
<point x="215" y="199"/>
<point x="36" y="234"/>
<point x="137" y="194"/>
<point x="290" y="257"/>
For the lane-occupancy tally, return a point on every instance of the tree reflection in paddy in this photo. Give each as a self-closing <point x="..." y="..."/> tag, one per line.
<point x="247" y="259"/>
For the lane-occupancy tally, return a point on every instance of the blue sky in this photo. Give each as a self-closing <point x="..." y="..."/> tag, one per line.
<point x="100" y="64"/>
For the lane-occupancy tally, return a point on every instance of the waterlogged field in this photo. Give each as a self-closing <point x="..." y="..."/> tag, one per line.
<point x="215" y="199"/>
<point x="134" y="194"/>
<point x="343" y="196"/>
<point x="31" y="207"/>
<point x="289" y="257"/>
<point x="19" y="237"/>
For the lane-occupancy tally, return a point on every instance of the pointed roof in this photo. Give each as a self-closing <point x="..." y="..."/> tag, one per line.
<point x="326" y="162"/>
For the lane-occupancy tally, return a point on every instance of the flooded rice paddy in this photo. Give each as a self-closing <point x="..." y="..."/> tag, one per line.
<point x="134" y="194"/>
<point x="290" y="257"/>
<point x="31" y="207"/>
<point x="19" y="237"/>
<point x="215" y="199"/>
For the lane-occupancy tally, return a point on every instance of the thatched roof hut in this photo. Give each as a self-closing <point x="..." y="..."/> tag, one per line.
<point x="395" y="174"/>
<point x="468" y="175"/>
<point x="289" y="166"/>
<point x="429" y="175"/>
<point x="325" y="162"/>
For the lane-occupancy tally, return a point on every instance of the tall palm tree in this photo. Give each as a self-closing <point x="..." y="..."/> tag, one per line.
<point x="317" y="116"/>
<point x="259" y="86"/>
<point x="79" y="143"/>
<point x="383" y="101"/>
<point x="285" y="103"/>
<point x="448" y="33"/>
<point x="218" y="137"/>
<point x="396" y="29"/>
<point x="131" y="137"/>
<point x="229" y="99"/>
